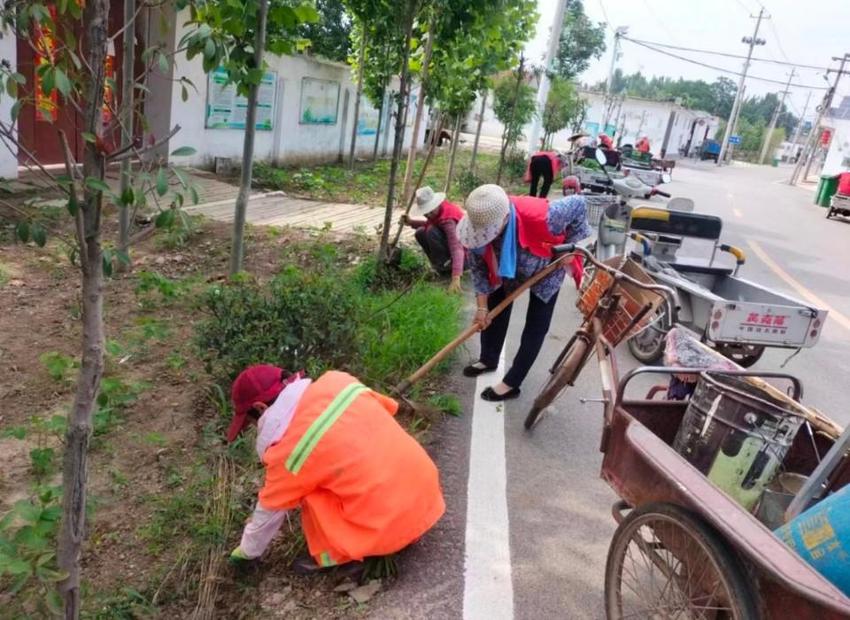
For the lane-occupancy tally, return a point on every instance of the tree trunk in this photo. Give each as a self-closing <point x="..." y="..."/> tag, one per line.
<point x="507" y="133"/>
<point x="127" y="80"/>
<point x="360" y="59"/>
<point x="237" y="250"/>
<point x="478" y="131"/>
<point x="378" y="131"/>
<point x="417" y="121"/>
<point x="455" y="140"/>
<point x="75" y="457"/>
<point x="398" y="142"/>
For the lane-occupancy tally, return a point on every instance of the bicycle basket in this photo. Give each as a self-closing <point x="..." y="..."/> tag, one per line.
<point x="632" y="300"/>
<point x="596" y="205"/>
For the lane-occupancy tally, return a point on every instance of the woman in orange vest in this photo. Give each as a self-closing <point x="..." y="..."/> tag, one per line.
<point x="545" y="166"/>
<point x="333" y="448"/>
<point x="437" y="233"/>
<point x="511" y="239"/>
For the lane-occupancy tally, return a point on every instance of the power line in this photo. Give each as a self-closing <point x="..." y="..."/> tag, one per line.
<point x="715" y="67"/>
<point x="727" y="55"/>
<point x="605" y="15"/>
<point x="778" y="43"/>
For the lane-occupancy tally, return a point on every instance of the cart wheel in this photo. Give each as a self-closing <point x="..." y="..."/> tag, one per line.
<point x="829" y="213"/>
<point x="744" y="355"/>
<point x="647" y="347"/>
<point x="566" y="369"/>
<point x="664" y="562"/>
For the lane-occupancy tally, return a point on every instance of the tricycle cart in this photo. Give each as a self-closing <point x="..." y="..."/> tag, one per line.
<point x="839" y="204"/>
<point x="740" y="318"/>
<point x="683" y="547"/>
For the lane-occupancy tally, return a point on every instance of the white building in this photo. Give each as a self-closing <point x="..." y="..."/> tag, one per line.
<point x="671" y="128"/>
<point x="305" y="116"/>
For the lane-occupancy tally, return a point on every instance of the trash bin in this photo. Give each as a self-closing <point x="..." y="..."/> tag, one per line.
<point x="826" y="189"/>
<point x="775" y="162"/>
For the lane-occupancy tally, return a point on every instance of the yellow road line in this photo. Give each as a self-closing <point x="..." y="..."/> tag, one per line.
<point x="737" y="213"/>
<point x="834" y="315"/>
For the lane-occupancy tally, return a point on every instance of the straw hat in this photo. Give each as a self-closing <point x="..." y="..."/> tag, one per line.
<point x="427" y="200"/>
<point x="486" y="207"/>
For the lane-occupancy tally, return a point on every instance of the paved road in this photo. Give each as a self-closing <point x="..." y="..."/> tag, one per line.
<point x="558" y="508"/>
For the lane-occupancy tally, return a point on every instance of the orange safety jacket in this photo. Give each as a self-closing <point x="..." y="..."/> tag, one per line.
<point x="365" y="487"/>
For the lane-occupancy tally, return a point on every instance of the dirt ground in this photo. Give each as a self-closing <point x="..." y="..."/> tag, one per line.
<point x="142" y="458"/>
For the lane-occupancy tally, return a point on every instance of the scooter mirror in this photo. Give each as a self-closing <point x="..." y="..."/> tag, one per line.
<point x="665" y="177"/>
<point x="601" y="157"/>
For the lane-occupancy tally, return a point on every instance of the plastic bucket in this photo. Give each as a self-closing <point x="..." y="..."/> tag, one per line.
<point x="821" y="536"/>
<point x="737" y="435"/>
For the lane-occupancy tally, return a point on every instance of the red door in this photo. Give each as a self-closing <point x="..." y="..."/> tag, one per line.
<point x="41" y="118"/>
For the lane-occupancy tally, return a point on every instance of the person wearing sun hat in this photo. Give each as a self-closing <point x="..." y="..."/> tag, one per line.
<point x="333" y="448"/>
<point x="437" y="233"/>
<point x="510" y="239"/>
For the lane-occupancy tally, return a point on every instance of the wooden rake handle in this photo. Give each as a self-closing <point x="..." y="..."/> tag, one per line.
<point x="470" y="331"/>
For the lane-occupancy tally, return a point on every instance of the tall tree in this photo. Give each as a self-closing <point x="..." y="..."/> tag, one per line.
<point x="514" y="105"/>
<point x="330" y="35"/>
<point x="580" y="41"/>
<point x="72" y="71"/>
<point x="233" y="36"/>
<point x="563" y="108"/>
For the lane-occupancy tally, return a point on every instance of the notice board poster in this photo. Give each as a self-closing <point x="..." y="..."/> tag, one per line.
<point x="228" y="110"/>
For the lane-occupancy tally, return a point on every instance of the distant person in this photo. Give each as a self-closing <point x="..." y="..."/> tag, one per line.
<point x="571" y="185"/>
<point x="333" y="448"/>
<point x="642" y="145"/>
<point x="510" y="239"/>
<point x="545" y="166"/>
<point x="437" y="233"/>
<point x="605" y="141"/>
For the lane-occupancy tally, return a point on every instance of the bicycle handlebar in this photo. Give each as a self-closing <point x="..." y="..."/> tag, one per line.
<point x="671" y="299"/>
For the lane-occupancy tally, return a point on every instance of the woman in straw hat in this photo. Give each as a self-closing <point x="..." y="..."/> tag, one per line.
<point x="510" y="239"/>
<point x="437" y="233"/>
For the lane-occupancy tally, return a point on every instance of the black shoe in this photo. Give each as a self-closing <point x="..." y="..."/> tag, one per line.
<point x="473" y="371"/>
<point x="491" y="395"/>
<point x="306" y="565"/>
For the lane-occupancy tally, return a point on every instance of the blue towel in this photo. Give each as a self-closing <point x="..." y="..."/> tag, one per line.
<point x="508" y="258"/>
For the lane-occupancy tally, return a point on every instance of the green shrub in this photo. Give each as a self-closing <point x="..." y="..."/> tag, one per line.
<point x="408" y="268"/>
<point x="515" y="164"/>
<point x="468" y="181"/>
<point x="299" y="321"/>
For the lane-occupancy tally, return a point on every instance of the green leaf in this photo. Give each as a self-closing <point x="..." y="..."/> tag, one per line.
<point x="209" y="49"/>
<point x="39" y="235"/>
<point x="26" y="511"/>
<point x="194" y="193"/>
<point x="165" y="219"/>
<point x="12" y="88"/>
<point x="163" y="63"/>
<point x="18" y="432"/>
<point x="89" y="137"/>
<point x="97" y="185"/>
<point x="128" y="197"/>
<point x="107" y="263"/>
<point x="19" y="78"/>
<point x="23" y="231"/>
<point x="73" y="205"/>
<point x="16" y="110"/>
<point x="181" y="176"/>
<point x="48" y="79"/>
<point x="183" y="151"/>
<point x="184" y="93"/>
<point x="63" y="84"/>
<point x="123" y="257"/>
<point x="161" y="182"/>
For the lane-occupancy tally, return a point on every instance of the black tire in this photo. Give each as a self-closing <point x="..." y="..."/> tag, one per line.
<point x="829" y="213"/>
<point x="566" y="369"/>
<point x="675" y="535"/>
<point x="647" y="347"/>
<point x="744" y="355"/>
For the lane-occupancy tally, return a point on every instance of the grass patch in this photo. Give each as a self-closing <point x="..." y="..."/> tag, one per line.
<point x="367" y="183"/>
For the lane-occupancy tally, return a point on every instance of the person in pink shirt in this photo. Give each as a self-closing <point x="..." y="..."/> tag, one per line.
<point x="437" y="233"/>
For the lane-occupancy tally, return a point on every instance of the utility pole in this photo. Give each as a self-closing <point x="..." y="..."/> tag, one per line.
<point x="543" y="87"/>
<point x="814" y="135"/>
<point x="609" y="84"/>
<point x="769" y="133"/>
<point x="752" y="42"/>
<point x="799" y="128"/>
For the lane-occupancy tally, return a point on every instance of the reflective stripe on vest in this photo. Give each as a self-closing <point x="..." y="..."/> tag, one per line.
<point x="321" y="425"/>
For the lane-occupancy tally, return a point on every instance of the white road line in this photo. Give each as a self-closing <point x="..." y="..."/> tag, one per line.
<point x="488" y="592"/>
<point x="737" y="212"/>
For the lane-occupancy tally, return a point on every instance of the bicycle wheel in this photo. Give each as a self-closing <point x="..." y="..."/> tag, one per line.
<point x="566" y="370"/>
<point x="647" y="347"/>
<point x="664" y="562"/>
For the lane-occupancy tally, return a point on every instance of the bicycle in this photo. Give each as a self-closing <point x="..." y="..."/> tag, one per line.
<point x="618" y="303"/>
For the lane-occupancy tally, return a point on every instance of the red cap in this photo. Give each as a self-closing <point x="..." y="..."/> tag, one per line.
<point x="572" y="182"/>
<point x="256" y="384"/>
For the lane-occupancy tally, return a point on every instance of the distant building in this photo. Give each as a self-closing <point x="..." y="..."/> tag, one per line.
<point x="672" y="129"/>
<point x="306" y="105"/>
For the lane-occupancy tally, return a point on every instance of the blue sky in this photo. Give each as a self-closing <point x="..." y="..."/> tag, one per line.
<point x="808" y="32"/>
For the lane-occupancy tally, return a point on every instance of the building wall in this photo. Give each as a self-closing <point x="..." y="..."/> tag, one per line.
<point x="635" y="118"/>
<point x="290" y="141"/>
<point x="8" y="157"/>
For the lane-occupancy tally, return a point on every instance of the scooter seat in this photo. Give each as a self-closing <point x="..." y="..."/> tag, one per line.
<point x="678" y="223"/>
